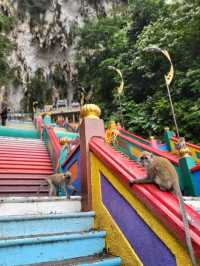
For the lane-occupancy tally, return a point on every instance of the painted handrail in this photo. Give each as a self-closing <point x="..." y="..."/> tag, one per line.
<point x="188" y="144"/>
<point x="53" y="145"/>
<point x="39" y="125"/>
<point x="164" y="205"/>
<point x="157" y="152"/>
<point x="145" y="141"/>
<point x="195" y="168"/>
<point x="70" y="155"/>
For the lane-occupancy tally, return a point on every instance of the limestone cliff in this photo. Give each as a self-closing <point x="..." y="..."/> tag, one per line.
<point x="45" y="38"/>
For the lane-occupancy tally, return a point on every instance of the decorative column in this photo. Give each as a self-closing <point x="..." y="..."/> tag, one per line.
<point x="167" y="137"/>
<point x="90" y="126"/>
<point x="153" y="142"/>
<point x="186" y="163"/>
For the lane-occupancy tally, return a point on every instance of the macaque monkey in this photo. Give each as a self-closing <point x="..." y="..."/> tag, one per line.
<point x="181" y="143"/>
<point x="162" y="173"/>
<point x="63" y="179"/>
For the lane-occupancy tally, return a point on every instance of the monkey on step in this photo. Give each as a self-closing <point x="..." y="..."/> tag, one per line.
<point x="60" y="179"/>
<point x="162" y="173"/>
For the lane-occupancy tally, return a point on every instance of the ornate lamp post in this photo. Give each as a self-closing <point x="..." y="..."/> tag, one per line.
<point x="168" y="79"/>
<point x="120" y="90"/>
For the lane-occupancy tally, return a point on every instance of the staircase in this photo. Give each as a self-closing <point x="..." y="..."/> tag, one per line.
<point x="24" y="166"/>
<point x="39" y="230"/>
<point x="58" y="234"/>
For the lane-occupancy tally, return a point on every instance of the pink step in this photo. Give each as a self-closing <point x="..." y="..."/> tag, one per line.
<point x="24" y="166"/>
<point x="25" y="159"/>
<point x="23" y="176"/>
<point x="22" y="156"/>
<point x="44" y="153"/>
<point x="26" y="171"/>
<point x="20" y="189"/>
<point x="31" y="163"/>
<point x="26" y="155"/>
<point x="27" y="182"/>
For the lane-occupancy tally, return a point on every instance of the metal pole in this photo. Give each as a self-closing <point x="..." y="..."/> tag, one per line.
<point x="173" y="112"/>
<point x="168" y="79"/>
<point x="120" y="90"/>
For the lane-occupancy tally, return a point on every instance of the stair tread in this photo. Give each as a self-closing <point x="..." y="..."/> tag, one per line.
<point x="22" y="182"/>
<point x="37" y="199"/>
<point x="31" y="239"/>
<point x="22" y="176"/>
<point x="72" y="262"/>
<point x="49" y="216"/>
<point x="27" y="171"/>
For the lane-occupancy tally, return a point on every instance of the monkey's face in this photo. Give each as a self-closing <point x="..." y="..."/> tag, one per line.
<point x="67" y="176"/>
<point x="145" y="159"/>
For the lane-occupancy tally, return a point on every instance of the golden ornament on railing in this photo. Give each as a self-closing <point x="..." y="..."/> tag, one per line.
<point x="184" y="152"/>
<point x="90" y="111"/>
<point x="64" y="141"/>
<point x="111" y="132"/>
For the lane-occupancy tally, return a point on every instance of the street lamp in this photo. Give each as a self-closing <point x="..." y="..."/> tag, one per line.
<point x="120" y="90"/>
<point x="168" y="78"/>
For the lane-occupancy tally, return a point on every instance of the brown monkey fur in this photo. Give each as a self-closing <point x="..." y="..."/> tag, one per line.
<point x="60" y="179"/>
<point x="162" y="173"/>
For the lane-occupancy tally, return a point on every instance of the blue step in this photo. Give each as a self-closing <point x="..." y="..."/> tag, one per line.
<point x="103" y="260"/>
<point x="42" y="248"/>
<point x="14" y="226"/>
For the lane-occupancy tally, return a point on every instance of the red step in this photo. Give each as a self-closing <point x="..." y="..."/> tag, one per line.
<point x="22" y="154"/>
<point x="20" y="189"/>
<point x="23" y="176"/>
<point x="45" y="153"/>
<point x="25" y="149"/>
<point x="23" y="167"/>
<point x="31" y="163"/>
<point x="26" y="171"/>
<point x="24" y="159"/>
<point x="27" y="182"/>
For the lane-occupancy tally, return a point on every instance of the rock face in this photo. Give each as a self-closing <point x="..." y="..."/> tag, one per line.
<point x="45" y="37"/>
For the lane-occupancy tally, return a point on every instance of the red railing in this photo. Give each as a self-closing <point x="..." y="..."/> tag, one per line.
<point x="164" y="205"/>
<point x="145" y="147"/>
<point x="39" y="125"/>
<point x="122" y="130"/>
<point x="53" y="145"/>
<point x="196" y="147"/>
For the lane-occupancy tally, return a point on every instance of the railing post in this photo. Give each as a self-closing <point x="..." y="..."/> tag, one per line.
<point x="167" y="137"/>
<point x="153" y="142"/>
<point x="186" y="163"/>
<point x="91" y="126"/>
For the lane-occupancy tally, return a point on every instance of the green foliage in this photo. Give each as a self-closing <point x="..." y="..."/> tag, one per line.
<point x="120" y="41"/>
<point x="37" y="90"/>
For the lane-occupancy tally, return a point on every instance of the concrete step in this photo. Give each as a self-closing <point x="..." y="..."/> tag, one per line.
<point x="52" y="247"/>
<point x="45" y="224"/>
<point x="101" y="260"/>
<point x="39" y="205"/>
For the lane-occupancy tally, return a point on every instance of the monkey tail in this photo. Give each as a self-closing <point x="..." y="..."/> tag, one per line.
<point x="186" y="226"/>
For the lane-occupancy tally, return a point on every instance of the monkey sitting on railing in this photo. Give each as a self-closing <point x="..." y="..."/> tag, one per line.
<point x="161" y="172"/>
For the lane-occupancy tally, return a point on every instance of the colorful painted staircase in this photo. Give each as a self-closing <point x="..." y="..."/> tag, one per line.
<point x="24" y="166"/>
<point x="58" y="234"/>
<point x="37" y="230"/>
